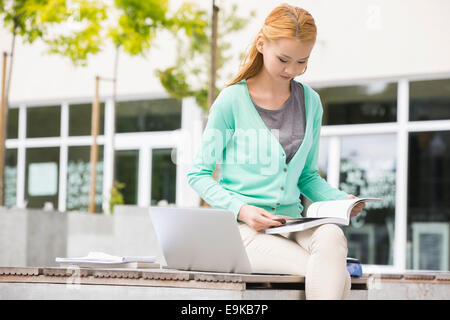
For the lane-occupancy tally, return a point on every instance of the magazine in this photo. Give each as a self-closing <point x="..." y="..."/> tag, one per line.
<point x="320" y="212"/>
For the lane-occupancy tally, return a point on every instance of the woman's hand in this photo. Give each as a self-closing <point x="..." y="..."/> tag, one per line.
<point x="356" y="209"/>
<point x="257" y="218"/>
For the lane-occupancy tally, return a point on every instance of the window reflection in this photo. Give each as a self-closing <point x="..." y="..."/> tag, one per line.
<point x="79" y="179"/>
<point x="430" y="100"/>
<point x="12" y="131"/>
<point x="43" y="122"/>
<point x="428" y="200"/>
<point x="371" y="103"/>
<point x="126" y="172"/>
<point x="368" y="165"/>
<point x="164" y="174"/>
<point x="10" y="177"/>
<point x="323" y="169"/>
<point x="148" y="115"/>
<point x="323" y="156"/>
<point x="42" y="172"/>
<point x="80" y="116"/>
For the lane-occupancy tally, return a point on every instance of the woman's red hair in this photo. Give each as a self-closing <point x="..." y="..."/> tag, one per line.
<point x="285" y="21"/>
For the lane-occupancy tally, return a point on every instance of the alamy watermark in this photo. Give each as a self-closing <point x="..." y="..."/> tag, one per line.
<point x="73" y="282"/>
<point x="258" y="147"/>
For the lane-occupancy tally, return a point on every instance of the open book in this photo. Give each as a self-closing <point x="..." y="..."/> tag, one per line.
<point x="321" y="212"/>
<point x="103" y="260"/>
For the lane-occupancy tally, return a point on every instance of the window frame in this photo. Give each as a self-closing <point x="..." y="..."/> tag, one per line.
<point x="402" y="127"/>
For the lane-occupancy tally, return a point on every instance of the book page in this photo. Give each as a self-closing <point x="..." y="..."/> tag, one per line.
<point x="304" y="224"/>
<point x="336" y="208"/>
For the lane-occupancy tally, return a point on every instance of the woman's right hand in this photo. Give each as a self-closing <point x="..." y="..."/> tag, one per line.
<point x="257" y="218"/>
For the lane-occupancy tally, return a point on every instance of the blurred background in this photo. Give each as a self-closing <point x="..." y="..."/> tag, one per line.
<point x="119" y="90"/>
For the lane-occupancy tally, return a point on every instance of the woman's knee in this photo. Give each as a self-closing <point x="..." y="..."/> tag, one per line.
<point x="329" y="237"/>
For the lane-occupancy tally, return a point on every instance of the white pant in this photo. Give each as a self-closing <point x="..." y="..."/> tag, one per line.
<point x="319" y="254"/>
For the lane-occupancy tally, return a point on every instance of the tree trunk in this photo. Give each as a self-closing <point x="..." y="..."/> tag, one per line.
<point x="6" y="85"/>
<point x="114" y="124"/>
<point x="212" y="86"/>
<point x="94" y="146"/>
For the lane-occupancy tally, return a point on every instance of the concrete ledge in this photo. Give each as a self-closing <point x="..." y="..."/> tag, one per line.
<point x="32" y="238"/>
<point x="68" y="283"/>
<point x="410" y="285"/>
<point x="47" y="291"/>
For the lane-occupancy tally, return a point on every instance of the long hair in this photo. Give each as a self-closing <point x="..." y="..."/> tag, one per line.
<point x="285" y="21"/>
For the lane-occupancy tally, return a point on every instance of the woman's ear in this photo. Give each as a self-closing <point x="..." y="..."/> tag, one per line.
<point x="260" y="43"/>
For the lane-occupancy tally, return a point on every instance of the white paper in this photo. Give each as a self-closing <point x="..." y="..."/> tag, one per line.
<point x="100" y="257"/>
<point x="42" y="179"/>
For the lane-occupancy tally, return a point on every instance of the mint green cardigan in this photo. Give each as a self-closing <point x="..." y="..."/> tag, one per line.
<point x="254" y="169"/>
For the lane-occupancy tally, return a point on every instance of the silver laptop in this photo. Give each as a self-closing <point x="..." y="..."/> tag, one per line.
<point x="200" y="239"/>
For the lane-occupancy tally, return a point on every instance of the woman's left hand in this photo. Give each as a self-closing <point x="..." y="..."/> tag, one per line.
<point x="356" y="209"/>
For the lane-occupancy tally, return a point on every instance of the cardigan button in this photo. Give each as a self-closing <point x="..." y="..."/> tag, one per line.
<point x="282" y="188"/>
<point x="273" y="208"/>
<point x="284" y="169"/>
<point x="278" y="204"/>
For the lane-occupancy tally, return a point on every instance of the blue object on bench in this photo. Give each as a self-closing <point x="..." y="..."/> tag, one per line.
<point x="354" y="267"/>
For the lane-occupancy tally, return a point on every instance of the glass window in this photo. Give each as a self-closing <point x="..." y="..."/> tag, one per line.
<point x="375" y="102"/>
<point x="323" y="168"/>
<point x="11" y="177"/>
<point x="13" y="124"/>
<point x="43" y="122"/>
<point x="429" y="100"/>
<point x="127" y="172"/>
<point x="164" y="176"/>
<point x="368" y="166"/>
<point x="80" y="117"/>
<point x="428" y="200"/>
<point x="148" y="115"/>
<point x="42" y="172"/>
<point x="79" y="179"/>
<point x="323" y="157"/>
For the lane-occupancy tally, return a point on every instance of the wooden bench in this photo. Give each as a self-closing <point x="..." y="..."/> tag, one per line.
<point x="76" y="283"/>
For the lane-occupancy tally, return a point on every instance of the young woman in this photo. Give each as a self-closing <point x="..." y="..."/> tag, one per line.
<point x="264" y="129"/>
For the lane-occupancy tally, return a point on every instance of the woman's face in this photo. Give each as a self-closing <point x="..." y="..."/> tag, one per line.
<point x="285" y="58"/>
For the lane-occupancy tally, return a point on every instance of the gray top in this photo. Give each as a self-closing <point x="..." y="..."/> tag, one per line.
<point x="289" y="120"/>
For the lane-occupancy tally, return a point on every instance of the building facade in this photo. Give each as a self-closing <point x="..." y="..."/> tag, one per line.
<point x="48" y="152"/>
<point x="390" y="138"/>
<point x="384" y="81"/>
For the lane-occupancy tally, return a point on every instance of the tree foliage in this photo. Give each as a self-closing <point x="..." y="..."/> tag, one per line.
<point x="79" y="28"/>
<point x="21" y="17"/>
<point x="137" y="24"/>
<point x="189" y="76"/>
<point x="71" y="28"/>
<point x="79" y="24"/>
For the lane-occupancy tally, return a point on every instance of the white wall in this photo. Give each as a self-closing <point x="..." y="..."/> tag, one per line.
<point x="373" y="38"/>
<point x="357" y="39"/>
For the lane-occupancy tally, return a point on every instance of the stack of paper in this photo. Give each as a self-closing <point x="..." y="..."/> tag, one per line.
<point x="104" y="260"/>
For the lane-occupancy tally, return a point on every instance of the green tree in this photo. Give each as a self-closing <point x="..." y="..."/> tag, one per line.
<point x="74" y="28"/>
<point x="37" y="19"/>
<point x="116" y="196"/>
<point x="134" y="26"/>
<point x="189" y="76"/>
<point x="138" y="22"/>
<point x="130" y="25"/>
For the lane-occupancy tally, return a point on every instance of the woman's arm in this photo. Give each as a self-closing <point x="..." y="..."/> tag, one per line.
<point x="218" y="131"/>
<point x="310" y="183"/>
